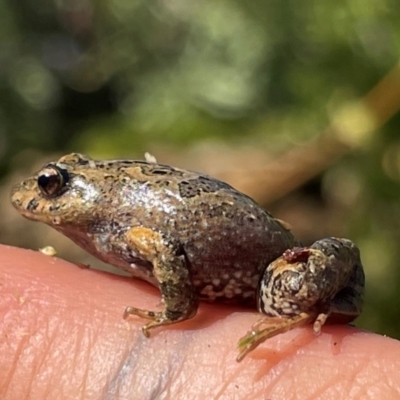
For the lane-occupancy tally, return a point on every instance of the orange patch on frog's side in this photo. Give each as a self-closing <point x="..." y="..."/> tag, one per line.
<point x="145" y="240"/>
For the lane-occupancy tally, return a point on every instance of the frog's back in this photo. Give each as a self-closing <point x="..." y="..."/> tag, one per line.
<point x="228" y="239"/>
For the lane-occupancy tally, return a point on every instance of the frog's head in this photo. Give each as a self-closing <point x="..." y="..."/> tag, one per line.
<point x="62" y="193"/>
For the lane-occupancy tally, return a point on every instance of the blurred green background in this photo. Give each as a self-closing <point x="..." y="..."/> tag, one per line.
<point x="294" y="103"/>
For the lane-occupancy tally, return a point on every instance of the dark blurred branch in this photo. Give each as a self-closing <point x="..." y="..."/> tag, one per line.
<point x="351" y="127"/>
<point x="383" y="100"/>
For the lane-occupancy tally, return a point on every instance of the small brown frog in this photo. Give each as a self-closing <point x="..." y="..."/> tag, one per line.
<point x="195" y="238"/>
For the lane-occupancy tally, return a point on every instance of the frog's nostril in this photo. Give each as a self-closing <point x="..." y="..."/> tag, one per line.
<point x="15" y="198"/>
<point x="32" y="205"/>
<point x="15" y="201"/>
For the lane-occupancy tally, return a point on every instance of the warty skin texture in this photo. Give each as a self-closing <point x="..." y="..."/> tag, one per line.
<point x="192" y="236"/>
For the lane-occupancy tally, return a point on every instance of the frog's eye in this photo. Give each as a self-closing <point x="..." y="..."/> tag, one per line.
<point x="52" y="181"/>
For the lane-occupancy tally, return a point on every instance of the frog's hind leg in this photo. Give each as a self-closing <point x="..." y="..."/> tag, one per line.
<point x="172" y="274"/>
<point x="277" y="326"/>
<point x="309" y="285"/>
<point x="347" y="303"/>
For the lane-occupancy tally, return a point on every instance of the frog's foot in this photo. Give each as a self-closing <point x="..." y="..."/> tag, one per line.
<point x="158" y="318"/>
<point x="170" y="268"/>
<point x="279" y="325"/>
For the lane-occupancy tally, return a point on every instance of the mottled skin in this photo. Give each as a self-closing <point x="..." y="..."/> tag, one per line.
<point x="306" y="278"/>
<point x="194" y="237"/>
<point x="308" y="284"/>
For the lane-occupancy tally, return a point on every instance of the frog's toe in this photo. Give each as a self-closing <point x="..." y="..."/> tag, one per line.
<point x="158" y="318"/>
<point x="249" y="342"/>
<point x="319" y="322"/>
<point x="276" y="326"/>
<point x="141" y="313"/>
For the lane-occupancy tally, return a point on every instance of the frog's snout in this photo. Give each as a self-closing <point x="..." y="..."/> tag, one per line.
<point x="16" y="199"/>
<point x="24" y="198"/>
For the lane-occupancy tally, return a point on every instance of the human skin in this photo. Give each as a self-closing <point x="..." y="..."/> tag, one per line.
<point x="63" y="337"/>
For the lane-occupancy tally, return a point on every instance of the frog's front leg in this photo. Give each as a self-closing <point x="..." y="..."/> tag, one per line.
<point x="172" y="273"/>
<point x="307" y="285"/>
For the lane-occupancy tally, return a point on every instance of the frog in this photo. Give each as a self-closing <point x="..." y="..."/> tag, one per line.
<point x="195" y="238"/>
